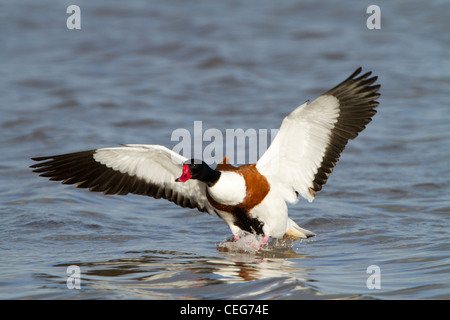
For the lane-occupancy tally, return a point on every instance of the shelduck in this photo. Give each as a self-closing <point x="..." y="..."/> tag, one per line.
<point x="250" y="197"/>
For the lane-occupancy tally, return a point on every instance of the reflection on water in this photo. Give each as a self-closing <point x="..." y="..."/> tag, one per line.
<point x="172" y="275"/>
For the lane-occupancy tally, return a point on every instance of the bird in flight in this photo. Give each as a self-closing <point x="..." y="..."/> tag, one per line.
<point x="251" y="198"/>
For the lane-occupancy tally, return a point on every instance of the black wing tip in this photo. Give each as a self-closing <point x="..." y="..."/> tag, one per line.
<point x="41" y="162"/>
<point x="369" y="81"/>
<point x="356" y="85"/>
<point x="40" y="159"/>
<point x="356" y="72"/>
<point x="358" y="94"/>
<point x="44" y="160"/>
<point x="363" y="76"/>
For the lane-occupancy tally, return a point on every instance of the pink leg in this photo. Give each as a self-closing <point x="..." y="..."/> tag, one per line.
<point x="265" y="240"/>
<point x="236" y="237"/>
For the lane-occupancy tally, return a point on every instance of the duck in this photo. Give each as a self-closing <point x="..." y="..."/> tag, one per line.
<point x="251" y="198"/>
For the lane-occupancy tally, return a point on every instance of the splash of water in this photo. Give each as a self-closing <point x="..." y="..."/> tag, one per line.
<point x="247" y="242"/>
<point x="252" y="243"/>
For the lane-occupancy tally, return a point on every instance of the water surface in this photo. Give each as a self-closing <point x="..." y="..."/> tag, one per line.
<point x="138" y="70"/>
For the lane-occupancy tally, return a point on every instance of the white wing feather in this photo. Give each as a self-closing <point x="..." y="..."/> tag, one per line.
<point x="292" y="160"/>
<point x="140" y="169"/>
<point x="312" y="137"/>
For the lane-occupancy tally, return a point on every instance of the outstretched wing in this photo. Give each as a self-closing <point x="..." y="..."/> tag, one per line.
<point x="138" y="169"/>
<point x="311" y="138"/>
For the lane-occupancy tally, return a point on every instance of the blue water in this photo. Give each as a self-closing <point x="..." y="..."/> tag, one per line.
<point x="138" y="70"/>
